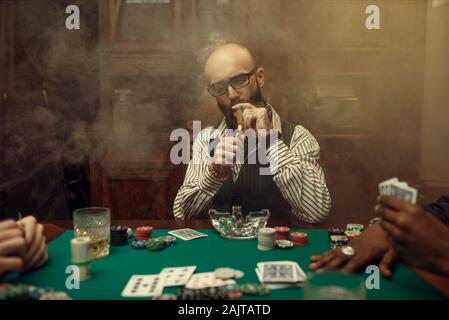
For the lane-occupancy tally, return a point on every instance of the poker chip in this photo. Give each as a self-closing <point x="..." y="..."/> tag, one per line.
<point x="156" y="244"/>
<point x="235" y="294"/>
<point x="139" y="244"/>
<point x="336" y="231"/>
<point x="129" y="231"/>
<point x="56" y="295"/>
<point x="255" y="289"/>
<point x="355" y="227"/>
<point x="118" y="235"/>
<point x="233" y="291"/>
<point x="337" y="241"/>
<point x="284" y="244"/>
<point x="26" y="292"/>
<point x="338" y="238"/>
<point x="224" y="273"/>
<point x="266" y="239"/>
<point x="238" y="274"/>
<point x="282" y="232"/>
<point x="212" y="293"/>
<point x="143" y="233"/>
<point x="299" y="238"/>
<point x="352" y="234"/>
<point x="166" y="297"/>
<point x="169" y="240"/>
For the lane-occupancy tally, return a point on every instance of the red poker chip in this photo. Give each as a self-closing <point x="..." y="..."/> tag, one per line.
<point x="144" y="229"/>
<point x="282" y="229"/>
<point x="299" y="238"/>
<point x="235" y="294"/>
<point x="141" y="238"/>
<point x="300" y="243"/>
<point x="299" y="235"/>
<point x="141" y="232"/>
<point x="282" y="232"/>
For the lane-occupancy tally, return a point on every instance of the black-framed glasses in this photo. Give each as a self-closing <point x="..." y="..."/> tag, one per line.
<point x="237" y="82"/>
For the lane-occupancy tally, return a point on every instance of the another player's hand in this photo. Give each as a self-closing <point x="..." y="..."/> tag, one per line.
<point x="226" y="153"/>
<point x="420" y="239"/>
<point x="370" y="247"/>
<point x="36" y="248"/>
<point x="12" y="247"/>
<point x="254" y="118"/>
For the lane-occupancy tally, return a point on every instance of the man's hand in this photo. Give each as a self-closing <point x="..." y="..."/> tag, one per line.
<point x="420" y="239"/>
<point x="370" y="247"/>
<point x="226" y="153"/>
<point x="36" y="248"/>
<point x="253" y="117"/>
<point x="12" y="247"/>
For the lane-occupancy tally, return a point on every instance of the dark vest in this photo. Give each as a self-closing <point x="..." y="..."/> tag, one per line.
<point x="253" y="191"/>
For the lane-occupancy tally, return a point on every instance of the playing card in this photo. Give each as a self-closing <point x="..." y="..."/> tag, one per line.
<point x="384" y="187"/>
<point x="276" y="286"/>
<point x="206" y="280"/>
<point x="144" y="286"/>
<point x="187" y="234"/>
<point x="178" y="276"/>
<point x="405" y="193"/>
<point x="281" y="271"/>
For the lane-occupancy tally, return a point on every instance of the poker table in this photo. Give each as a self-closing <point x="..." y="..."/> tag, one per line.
<point x="110" y="274"/>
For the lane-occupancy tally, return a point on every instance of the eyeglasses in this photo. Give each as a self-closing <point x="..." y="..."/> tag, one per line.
<point x="237" y="82"/>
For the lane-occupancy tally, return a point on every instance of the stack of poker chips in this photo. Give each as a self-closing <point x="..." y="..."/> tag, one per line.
<point x="22" y="291"/>
<point x="143" y="233"/>
<point x="299" y="238"/>
<point x="337" y="238"/>
<point x="282" y="233"/>
<point x="230" y="291"/>
<point x="80" y="256"/>
<point x="353" y="230"/>
<point x="266" y="239"/>
<point x="119" y="236"/>
<point x="156" y="244"/>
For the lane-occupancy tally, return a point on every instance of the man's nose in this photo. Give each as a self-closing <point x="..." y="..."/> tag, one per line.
<point x="231" y="92"/>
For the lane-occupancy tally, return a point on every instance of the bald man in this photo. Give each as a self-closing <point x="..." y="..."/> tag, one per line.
<point x="295" y="189"/>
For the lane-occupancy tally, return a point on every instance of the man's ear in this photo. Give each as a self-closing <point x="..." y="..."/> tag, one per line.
<point x="260" y="75"/>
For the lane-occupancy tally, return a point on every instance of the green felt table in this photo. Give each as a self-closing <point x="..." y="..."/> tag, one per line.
<point x="110" y="274"/>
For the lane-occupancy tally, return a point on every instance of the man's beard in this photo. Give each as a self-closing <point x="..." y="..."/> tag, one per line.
<point x="256" y="100"/>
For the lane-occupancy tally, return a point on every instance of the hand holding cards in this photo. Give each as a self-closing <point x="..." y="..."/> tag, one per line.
<point x="394" y="187"/>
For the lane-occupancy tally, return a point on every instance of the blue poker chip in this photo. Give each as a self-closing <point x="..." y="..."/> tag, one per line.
<point x="139" y="244"/>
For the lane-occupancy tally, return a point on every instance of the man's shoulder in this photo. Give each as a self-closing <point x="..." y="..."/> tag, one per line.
<point x="298" y="130"/>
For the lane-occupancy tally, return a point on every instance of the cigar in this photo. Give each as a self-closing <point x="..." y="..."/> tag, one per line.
<point x="239" y="117"/>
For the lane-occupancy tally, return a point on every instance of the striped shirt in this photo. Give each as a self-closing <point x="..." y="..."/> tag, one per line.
<point x="296" y="173"/>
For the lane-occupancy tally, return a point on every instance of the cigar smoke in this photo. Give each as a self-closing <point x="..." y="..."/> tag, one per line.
<point x="324" y="70"/>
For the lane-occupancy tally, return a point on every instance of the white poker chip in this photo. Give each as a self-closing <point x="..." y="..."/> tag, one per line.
<point x="224" y="273"/>
<point x="238" y="274"/>
<point x="337" y="238"/>
<point x="267" y="231"/>
<point x="56" y="295"/>
<point x="284" y="244"/>
<point x="129" y="232"/>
